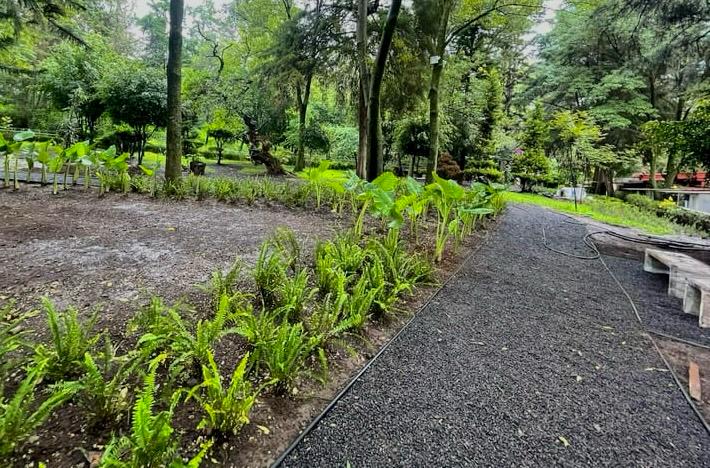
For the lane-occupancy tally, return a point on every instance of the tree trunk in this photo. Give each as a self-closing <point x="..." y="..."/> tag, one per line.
<point x="361" y="164"/>
<point x="260" y="150"/>
<point x="302" y="99"/>
<point x="653" y="167"/>
<point x="434" y="120"/>
<point x="375" y="163"/>
<point x="436" y="72"/>
<point x="173" y="157"/>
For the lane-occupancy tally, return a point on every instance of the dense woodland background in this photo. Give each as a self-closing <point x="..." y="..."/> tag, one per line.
<point x="467" y="88"/>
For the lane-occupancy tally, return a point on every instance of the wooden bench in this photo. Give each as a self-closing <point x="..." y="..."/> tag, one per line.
<point x="679" y="268"/>
<point x="697" y="300"/>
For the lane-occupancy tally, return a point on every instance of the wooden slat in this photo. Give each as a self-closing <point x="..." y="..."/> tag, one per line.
<point x="694" y="381"/>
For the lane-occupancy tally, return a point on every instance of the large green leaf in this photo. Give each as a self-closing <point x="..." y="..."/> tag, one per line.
<point x="24" y="135"/>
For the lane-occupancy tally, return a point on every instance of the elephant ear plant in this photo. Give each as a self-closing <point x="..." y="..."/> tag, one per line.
<point x="379" y="197"/>
<point x="321" y="178"/>
<point x="21" y="146"/>
<point x="445" y="195"/>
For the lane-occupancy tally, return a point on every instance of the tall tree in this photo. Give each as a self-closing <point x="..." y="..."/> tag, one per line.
<point x="375" y="160"/>
<point x="173" y="157"/>
<point x="363" y="86"/>
<point x="444" y="22"/>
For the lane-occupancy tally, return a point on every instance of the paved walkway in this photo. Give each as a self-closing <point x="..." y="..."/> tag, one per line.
<point x="527" y="358"/>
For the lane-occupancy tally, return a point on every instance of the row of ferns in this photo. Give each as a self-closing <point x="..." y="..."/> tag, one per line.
<point x="292" y="309"/>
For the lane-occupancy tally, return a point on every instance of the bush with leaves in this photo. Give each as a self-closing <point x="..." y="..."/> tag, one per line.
<point x="24" y="412"/>
<point x="72" y="338"/>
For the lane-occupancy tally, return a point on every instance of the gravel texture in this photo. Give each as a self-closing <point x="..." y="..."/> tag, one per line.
<point x="526" y="358"/>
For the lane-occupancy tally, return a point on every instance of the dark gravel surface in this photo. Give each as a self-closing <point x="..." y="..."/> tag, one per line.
<point x="527" y="358"/>
<point x="657" y="309"/>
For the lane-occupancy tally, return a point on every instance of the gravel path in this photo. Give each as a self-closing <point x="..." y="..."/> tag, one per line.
<point x="526" y="358"/>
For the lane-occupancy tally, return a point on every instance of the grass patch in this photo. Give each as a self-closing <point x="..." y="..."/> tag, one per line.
<point x="606" y="210"/>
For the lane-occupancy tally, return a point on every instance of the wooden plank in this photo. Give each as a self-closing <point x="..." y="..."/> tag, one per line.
<point x="694" y="381"/>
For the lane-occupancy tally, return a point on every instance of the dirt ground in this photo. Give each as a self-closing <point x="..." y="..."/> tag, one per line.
<point x="116" y="252"/>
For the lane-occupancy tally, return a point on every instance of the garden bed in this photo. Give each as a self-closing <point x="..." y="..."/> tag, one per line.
<point x="117" y="251"/>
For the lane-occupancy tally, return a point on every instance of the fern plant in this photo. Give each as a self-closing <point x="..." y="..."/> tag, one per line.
<point x="72" y="338"/>
<point x="223" y="283"/>
<point x="22" y="413"/>
<point x="152" y="442"/>
<point x="106" y="394"/>
<point x="285" y="242"/>
<point x="294" y="295"/>
<point x="166" y="331"/>
<point x="285" y="354"/>
<point x="12" y="340"/>
<point x="269" y="273"/>
<point x="226" y="409"/>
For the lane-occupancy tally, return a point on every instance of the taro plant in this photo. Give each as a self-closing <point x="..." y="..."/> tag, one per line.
<point x="71" y="337"/>
<point x="445" y="195"/>
<point x="379" y="196"/>
<point x="322" y="178"/>
<point x="415" y="203"/>
<point x="226" y="407"/>
<point x="6" y="152"/>
<point x="24" y="411"/>
<point x="152" y="441"/>
<point x="73" y="156"/>
<point x="106" y="394"/>
<point x="55" y="166"/>
<point x="151" y="170"/>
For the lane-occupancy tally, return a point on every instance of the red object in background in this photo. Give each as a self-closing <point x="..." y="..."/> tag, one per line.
<point x="691" y="178"/>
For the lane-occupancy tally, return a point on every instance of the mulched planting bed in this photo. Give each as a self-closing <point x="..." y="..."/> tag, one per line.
<point x="117" y="251"/>
<point x="527" y="358"/>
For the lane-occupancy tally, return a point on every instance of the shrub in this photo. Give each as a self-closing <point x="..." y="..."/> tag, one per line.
<point x="642" y="201"/>
<point x="447" y="168"/>
<point x="487" y="174"/>
<point x="532" y="167"/>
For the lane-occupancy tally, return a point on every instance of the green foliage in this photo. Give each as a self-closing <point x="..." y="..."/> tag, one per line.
<point x="531" y="166"/>
<point x="226" y="409"/>
<point x="166" y="331"/>
<point x="152" y="441"/>
<point x="269" y="273"/>
<point x="444" y="194"/>
<point x="71" y="337"/>
<point x="106" y="391"/>
<point x="12" y="340"/>
<point x="322" y="178"/>
<point x="24" y="412"/>
<point x="286" y="354"/>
